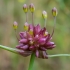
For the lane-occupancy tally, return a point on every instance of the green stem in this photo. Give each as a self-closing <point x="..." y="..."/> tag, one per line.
<point x="32" y="18"/>
<point x="53" y="26"/>
<point x="58" y="55"/>
<point x="26" y="17"/>
<point x="14" y="50"/>
<point x="45" y="22"/>
<point x="31" y="61"/>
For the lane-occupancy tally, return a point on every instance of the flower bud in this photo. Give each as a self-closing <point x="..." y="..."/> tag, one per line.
<point x="15" y="25"/>
<point x="25" y="8"/>
<point x="54" y="12"/>
<point x="26" y="26"/>
<point x="31" y="7"/>
<point x="44" y="14"/>
<point x="31" y="31"/>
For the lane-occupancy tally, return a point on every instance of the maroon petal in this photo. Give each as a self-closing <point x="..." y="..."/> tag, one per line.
<point x="23" y="41"/>
<point x="37" y="53"/>
<point x="45" y="54"/>
<point x="43" y="48"/>
<point x="42" y="41"/>
<point x="24" y="53"/>
<point x="50" y="45"/>
<point x="22" y="35"/>
<point x="32" y="48"/>
<point x="30" y="38"/>
<point x="25" y="47"/>
<point x="31" y="27"/>
<point x="19" y="46"/>
<point x="42" y="31"/>
<point x="36" y="38"/>
<point x="37" y="29"/>
<point x="48" y="38"/>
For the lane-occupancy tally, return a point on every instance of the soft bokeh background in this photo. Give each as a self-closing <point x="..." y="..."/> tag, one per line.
<point x="11" y="10"/>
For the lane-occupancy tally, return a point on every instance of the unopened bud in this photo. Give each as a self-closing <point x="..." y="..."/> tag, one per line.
<point x="25" y="8"/>
<point x="31" y="31"/>
<point x="54" y="12"/>
<point x="26" y="26"/>
<point x="15" y="25"/>
<point x="44" y="14"/>
<point x="31" y="7"/>
<point x="46" y="33"/>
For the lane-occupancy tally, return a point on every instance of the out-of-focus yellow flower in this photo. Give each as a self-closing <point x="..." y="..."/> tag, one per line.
<point x="21" y="1"/>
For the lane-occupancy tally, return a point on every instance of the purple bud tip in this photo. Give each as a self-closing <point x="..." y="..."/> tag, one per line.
<point x="25" y="8"/>
<point x="44" y="14"/>
<point x="26" y="26"/>
<point x="15" y="25"/>
<point x="31" y="7"/>
<point x="54" y="12"/>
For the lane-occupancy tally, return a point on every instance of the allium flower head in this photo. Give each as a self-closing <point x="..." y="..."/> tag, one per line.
<point x="35" y="40"/>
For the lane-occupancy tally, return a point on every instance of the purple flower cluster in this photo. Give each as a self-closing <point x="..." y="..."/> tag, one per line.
<point x="35" y="39"/>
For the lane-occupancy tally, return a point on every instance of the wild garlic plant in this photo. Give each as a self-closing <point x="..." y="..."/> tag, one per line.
<point x="34" y="40"/>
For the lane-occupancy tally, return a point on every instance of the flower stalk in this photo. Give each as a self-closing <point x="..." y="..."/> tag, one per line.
<point x="31" y="61"/>
<point x="14" y="50"/>
<point x="44" y="15"/>
<point x="54" y="14"/>
<point x="32" y="9"/>
<point x="53" y="26"/>
<point x="25" y="9"/>
<point x="32" y="18"/>
<point x="26" y="17"/>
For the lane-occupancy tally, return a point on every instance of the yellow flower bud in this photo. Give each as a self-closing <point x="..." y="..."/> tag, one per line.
<point x="31" y="7"/>
<point x="31" y="32"/>
<point x="15" y="25"/>
<point x="26" y="26"/>
<point x="25" y="8"/>
<point x="44" y="14"/>
<point x="54" y="12"/>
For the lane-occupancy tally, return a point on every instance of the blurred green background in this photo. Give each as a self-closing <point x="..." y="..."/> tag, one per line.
<point x="11" y="10"/>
